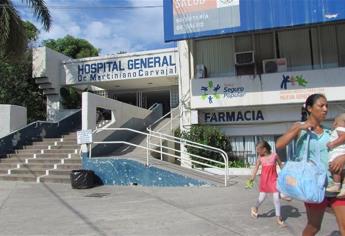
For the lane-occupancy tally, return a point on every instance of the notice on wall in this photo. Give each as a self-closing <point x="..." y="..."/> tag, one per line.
<point x="84" y="136"/>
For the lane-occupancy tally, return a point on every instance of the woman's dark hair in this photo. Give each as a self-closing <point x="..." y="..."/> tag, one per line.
<point x="264" y="144"/>
<point x="311" y="100"/>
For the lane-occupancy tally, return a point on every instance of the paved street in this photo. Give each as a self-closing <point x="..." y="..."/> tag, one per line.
<point x="57" y="209"/>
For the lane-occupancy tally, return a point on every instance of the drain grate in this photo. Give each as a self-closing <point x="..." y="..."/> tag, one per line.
<point x="99" y="195"/>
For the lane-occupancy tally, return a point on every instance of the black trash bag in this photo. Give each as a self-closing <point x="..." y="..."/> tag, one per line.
<point x="81" y="179"/>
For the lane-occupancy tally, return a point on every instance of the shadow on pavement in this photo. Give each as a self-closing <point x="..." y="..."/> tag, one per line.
<point x="287" y="211"/>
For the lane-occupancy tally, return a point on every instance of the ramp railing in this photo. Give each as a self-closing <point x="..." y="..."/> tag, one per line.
<point x="181" y="154"/>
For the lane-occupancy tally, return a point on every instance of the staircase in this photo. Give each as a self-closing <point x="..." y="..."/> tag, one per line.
<point x="49" y="160"/>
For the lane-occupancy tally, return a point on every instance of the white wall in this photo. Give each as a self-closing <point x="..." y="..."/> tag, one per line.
<point x="266" y="90"/>
<point x="48" y="71"/>
<point x="121" y="112"/>
<point x="12" y="117"/>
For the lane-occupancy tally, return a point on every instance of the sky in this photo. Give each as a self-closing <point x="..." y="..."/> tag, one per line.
<point x="110" y="25"/>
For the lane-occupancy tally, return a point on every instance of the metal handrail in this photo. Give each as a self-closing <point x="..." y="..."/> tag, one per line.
<point x="194" y="144"/>
<point x="153" y="106"/>
<point x="180" y="141"/>
<point x="162" y="117"/>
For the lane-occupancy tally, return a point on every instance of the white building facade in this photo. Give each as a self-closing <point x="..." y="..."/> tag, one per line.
<point x="249" y="74"/>
<point x="141" y="78"/>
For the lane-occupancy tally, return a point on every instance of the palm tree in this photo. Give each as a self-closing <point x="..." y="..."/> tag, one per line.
<point x="13" y="38"/>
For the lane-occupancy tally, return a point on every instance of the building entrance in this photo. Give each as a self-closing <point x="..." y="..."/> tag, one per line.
<point x="144" y="99"/>
<point x="152" y="97"/>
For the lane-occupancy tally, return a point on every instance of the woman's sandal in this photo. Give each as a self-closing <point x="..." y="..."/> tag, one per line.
<point x="254" y="212"/>
<point x="281" y="223"/>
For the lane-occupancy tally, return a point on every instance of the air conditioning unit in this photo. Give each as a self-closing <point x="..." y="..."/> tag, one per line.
<point x="201" y="71"/>
<point x="274" y="65"/>
<point x="244" y="58"/>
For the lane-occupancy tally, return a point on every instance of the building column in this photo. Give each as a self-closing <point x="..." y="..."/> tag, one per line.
<point x="185" y="75"/>
<point x="54" y="107"/>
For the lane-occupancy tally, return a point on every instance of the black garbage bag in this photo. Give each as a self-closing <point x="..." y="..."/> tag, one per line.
<point x="81" y="179"/>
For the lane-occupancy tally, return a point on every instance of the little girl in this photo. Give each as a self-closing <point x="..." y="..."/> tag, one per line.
<point x="268" y="179"/>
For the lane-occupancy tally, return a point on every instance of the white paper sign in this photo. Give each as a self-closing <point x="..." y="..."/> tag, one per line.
<point x="84" y="136"/>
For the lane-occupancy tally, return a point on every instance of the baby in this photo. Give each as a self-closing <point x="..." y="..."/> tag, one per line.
<point x="337" y="148"/>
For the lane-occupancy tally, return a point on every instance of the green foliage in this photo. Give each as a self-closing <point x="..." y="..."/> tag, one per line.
<point x="72" y="47"/>
<point x="177" y="132"/>
<point x="18" y="88"/>
<point x="32" y="32"/>
<point x="207" y="135"/>
<point x="13" y="34"/>
<point x="71" y="99"/>
<point x="237" y="163"/>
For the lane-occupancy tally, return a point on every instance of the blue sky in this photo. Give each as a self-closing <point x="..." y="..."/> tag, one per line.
<point x="105" y="23"/>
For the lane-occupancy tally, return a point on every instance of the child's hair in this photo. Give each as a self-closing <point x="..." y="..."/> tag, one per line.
<point x="310" y="101"/>
<point x="264" y="144"/>
<point x="340" y="117"/>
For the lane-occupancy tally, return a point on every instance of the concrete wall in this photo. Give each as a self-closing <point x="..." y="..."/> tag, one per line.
<point x="49" y="73"/>
<point x="123" y="115"/>
<point x="12" y="117"/>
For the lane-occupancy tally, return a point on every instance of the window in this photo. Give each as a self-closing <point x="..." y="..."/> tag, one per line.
<point x="294" y="45"/>
<point x="217" y="55"/>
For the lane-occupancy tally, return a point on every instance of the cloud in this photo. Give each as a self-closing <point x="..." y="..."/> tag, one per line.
<point x="110" y="29"/>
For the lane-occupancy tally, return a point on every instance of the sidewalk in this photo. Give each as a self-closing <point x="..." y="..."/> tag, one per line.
<point x="57" y="209"/>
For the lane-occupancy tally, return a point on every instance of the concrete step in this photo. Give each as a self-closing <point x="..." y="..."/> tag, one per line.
<point x="65" y="146"/>
<point x="65" y="172"/>
<point x="57" y="155"/>
<point x="19" y="156"/>
<point x="70" y="166"/>
<point x="55" y="160"/>
<point x="38" y="151"/>
<point x="3" y="170"/>
<point x="56" y="179"/>
<point x="45" y="160"/>
<point x="44" y="142"/>
<point x="36" y="147"/>
<point x="61" y="150"/>
<point x="72" y="161"/>
<point x="28" y="171"/>
<point x="59" y="140"/>
<point x="43" y="166"/>
<point x="70" y="136"/>
<point x="44" y="155"/>
<point x="10" y="165"/>
<point x="52" y="146"/>
<point x="14" y="160"/>
<point x="68" y="142"/>
<point x="28" y="151"/>
<point x="23" y="177"/>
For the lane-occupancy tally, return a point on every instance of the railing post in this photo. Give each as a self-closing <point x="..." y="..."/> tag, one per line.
<point x="171" y="120"/>
<point x="90" y="148"/>
<point x="161" y="145"/>
<point x="226" y="171"/>
<point x="147" y="147"/>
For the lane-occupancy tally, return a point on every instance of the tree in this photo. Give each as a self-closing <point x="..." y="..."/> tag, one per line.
<point x="17" y="86"/>
<point x="13" y="37"/>
<point x="207" y="135"/>
<point x="75" y="48"/>
<point x="72" y="47"/>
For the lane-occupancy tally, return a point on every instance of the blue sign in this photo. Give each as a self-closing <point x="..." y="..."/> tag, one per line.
<point x="233" y="116"/>
<point x="186" y="19"/>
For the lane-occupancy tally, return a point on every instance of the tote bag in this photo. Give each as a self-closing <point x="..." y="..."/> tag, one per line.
<point x="304" y="180"/>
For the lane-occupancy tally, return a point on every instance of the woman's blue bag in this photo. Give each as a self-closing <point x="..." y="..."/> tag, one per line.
<point x="304" y="180"/>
